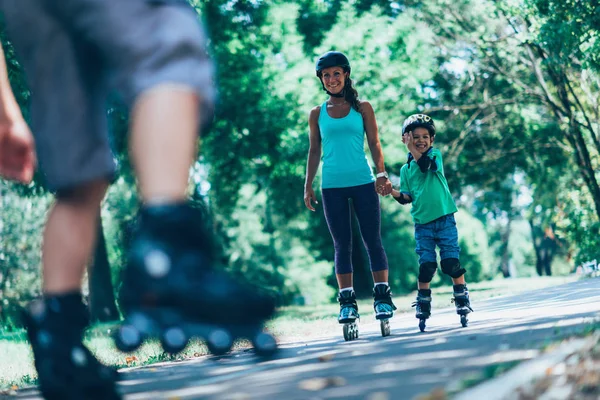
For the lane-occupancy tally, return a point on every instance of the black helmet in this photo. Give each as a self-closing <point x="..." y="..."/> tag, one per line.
<point x="418" y="120"/>
<point x="332" y="59"/>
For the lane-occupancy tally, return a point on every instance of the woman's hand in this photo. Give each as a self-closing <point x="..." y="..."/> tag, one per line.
<point x="309" y="197"/>
<point x="383" y="186"/>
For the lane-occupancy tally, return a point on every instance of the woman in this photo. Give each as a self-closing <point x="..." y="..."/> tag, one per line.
<point x="338" y="127"/>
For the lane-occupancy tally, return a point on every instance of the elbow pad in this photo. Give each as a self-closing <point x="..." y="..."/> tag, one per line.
<point x="425" y="163"/>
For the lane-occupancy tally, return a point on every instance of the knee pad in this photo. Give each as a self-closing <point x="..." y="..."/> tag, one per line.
<point x="451" y="267"/>
<point x="426" y="271"/>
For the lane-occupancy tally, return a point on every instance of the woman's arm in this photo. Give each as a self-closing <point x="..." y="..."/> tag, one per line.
<point x="314" y="157"/>
<point x="384" y="186"/>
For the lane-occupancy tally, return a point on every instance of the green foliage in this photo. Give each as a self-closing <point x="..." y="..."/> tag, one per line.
<point x="475" y="255"/>
<point x="21" y="223"/>
<point x="513" y="89"/>
<point x="521" y="248"/>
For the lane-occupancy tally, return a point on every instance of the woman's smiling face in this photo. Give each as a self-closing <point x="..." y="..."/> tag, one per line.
<point x="334" y="79"/>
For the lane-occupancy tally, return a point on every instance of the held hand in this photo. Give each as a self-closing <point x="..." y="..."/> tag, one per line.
<point x="17" y="154"/>
<point x="309" y="198"/>
<point x="383" y="186"/>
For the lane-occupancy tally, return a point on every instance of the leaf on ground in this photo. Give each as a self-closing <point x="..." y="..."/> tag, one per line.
<point x="326" y="357"/>
<point x="435" y="394"/>
<point x="379" y="396"/>
<point x="315" y="384"/>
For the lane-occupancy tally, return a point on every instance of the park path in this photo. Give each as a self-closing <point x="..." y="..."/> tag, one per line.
<point x="402" y="366"/>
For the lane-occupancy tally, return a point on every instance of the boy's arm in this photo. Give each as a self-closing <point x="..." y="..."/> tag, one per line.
<point x="401" y="198"/>
<point x="17" y="157"/>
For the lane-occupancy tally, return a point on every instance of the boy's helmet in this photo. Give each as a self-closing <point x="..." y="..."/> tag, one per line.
<point x="332" y="59"/>
<point x="416" y="121"/>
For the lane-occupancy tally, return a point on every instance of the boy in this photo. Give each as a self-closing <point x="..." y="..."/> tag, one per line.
<point x="422" y="183"/>
<point x="153" y="54"/>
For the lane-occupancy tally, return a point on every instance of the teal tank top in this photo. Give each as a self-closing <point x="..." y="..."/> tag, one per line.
<point x="344" y="160"/>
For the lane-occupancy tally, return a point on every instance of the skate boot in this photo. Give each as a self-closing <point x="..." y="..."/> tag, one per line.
<point x="384" y="307"/>
<point x="174" y="288"/>
<point x="348" y="314"/>
<point x="66" y="368"/>
<point x="423" y="307"/>
<point x="462" y="303"/>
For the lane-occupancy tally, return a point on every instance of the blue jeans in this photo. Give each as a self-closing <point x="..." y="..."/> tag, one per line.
<point x="441" y="232"/>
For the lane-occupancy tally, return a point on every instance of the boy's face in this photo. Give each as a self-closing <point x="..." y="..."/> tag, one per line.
<point x="422" y="140"/>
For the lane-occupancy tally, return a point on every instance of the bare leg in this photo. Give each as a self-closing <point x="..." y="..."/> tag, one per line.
<point x="164" y="142"/>
<point x="380" y="276"/>
<point x="69" y="237"/>
<point x="344" y="280"/>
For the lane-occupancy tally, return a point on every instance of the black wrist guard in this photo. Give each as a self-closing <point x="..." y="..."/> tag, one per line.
<point x="401" y="199"/>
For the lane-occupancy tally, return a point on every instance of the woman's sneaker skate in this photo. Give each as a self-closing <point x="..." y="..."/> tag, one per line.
<point x="67" y="370"/>
<point x="172" y="288"/>
<point x="462" y="303"/>
<point x="348" y="314"/>
<point x="384" y="307"/>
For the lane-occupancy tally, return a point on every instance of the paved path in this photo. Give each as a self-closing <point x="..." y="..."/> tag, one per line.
<point x="401" y="366"/>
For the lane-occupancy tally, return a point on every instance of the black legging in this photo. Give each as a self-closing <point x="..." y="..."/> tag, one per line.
<point x="337" y="212"/>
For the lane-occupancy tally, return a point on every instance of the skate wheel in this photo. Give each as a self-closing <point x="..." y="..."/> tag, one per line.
<point x="264" y="344"/>
<point x="422" y="325"/>
<point x="127" y="338"/>
<point x="385" y="327"/>
<point x="219" y="342"/>
<point x="348" y="335"/>
<point x="464" y="321"/>
<point x="350" y="331"/>
<point x="174" y="340"/>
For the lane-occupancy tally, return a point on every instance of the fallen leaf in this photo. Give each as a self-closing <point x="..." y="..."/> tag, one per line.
<point x="315" y="384"/>
<point x="379" y="396"/>
<point x="326" y="357"/>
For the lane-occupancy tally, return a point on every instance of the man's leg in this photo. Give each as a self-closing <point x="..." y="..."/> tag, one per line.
<point x="69" y="237"/>
<point x="164" y="137"/>
<point x="69" y="123"/>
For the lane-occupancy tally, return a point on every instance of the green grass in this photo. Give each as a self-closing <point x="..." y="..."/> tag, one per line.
<point x="489" y="372"/>
<point x="293" y="323"/>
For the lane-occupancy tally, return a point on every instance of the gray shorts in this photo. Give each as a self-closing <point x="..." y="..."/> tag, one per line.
<point x="75" y="53"/>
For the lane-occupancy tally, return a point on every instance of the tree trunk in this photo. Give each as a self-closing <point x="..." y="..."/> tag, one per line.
<point x="102" y="296"/>
<point x="505" y="266"/>
<point x="536" y="239"/>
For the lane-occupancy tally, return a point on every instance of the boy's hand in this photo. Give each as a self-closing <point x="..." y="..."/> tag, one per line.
<point x="396" y="193"/>
<point x="408" y="140"/>
<point x="17" y="154"/>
